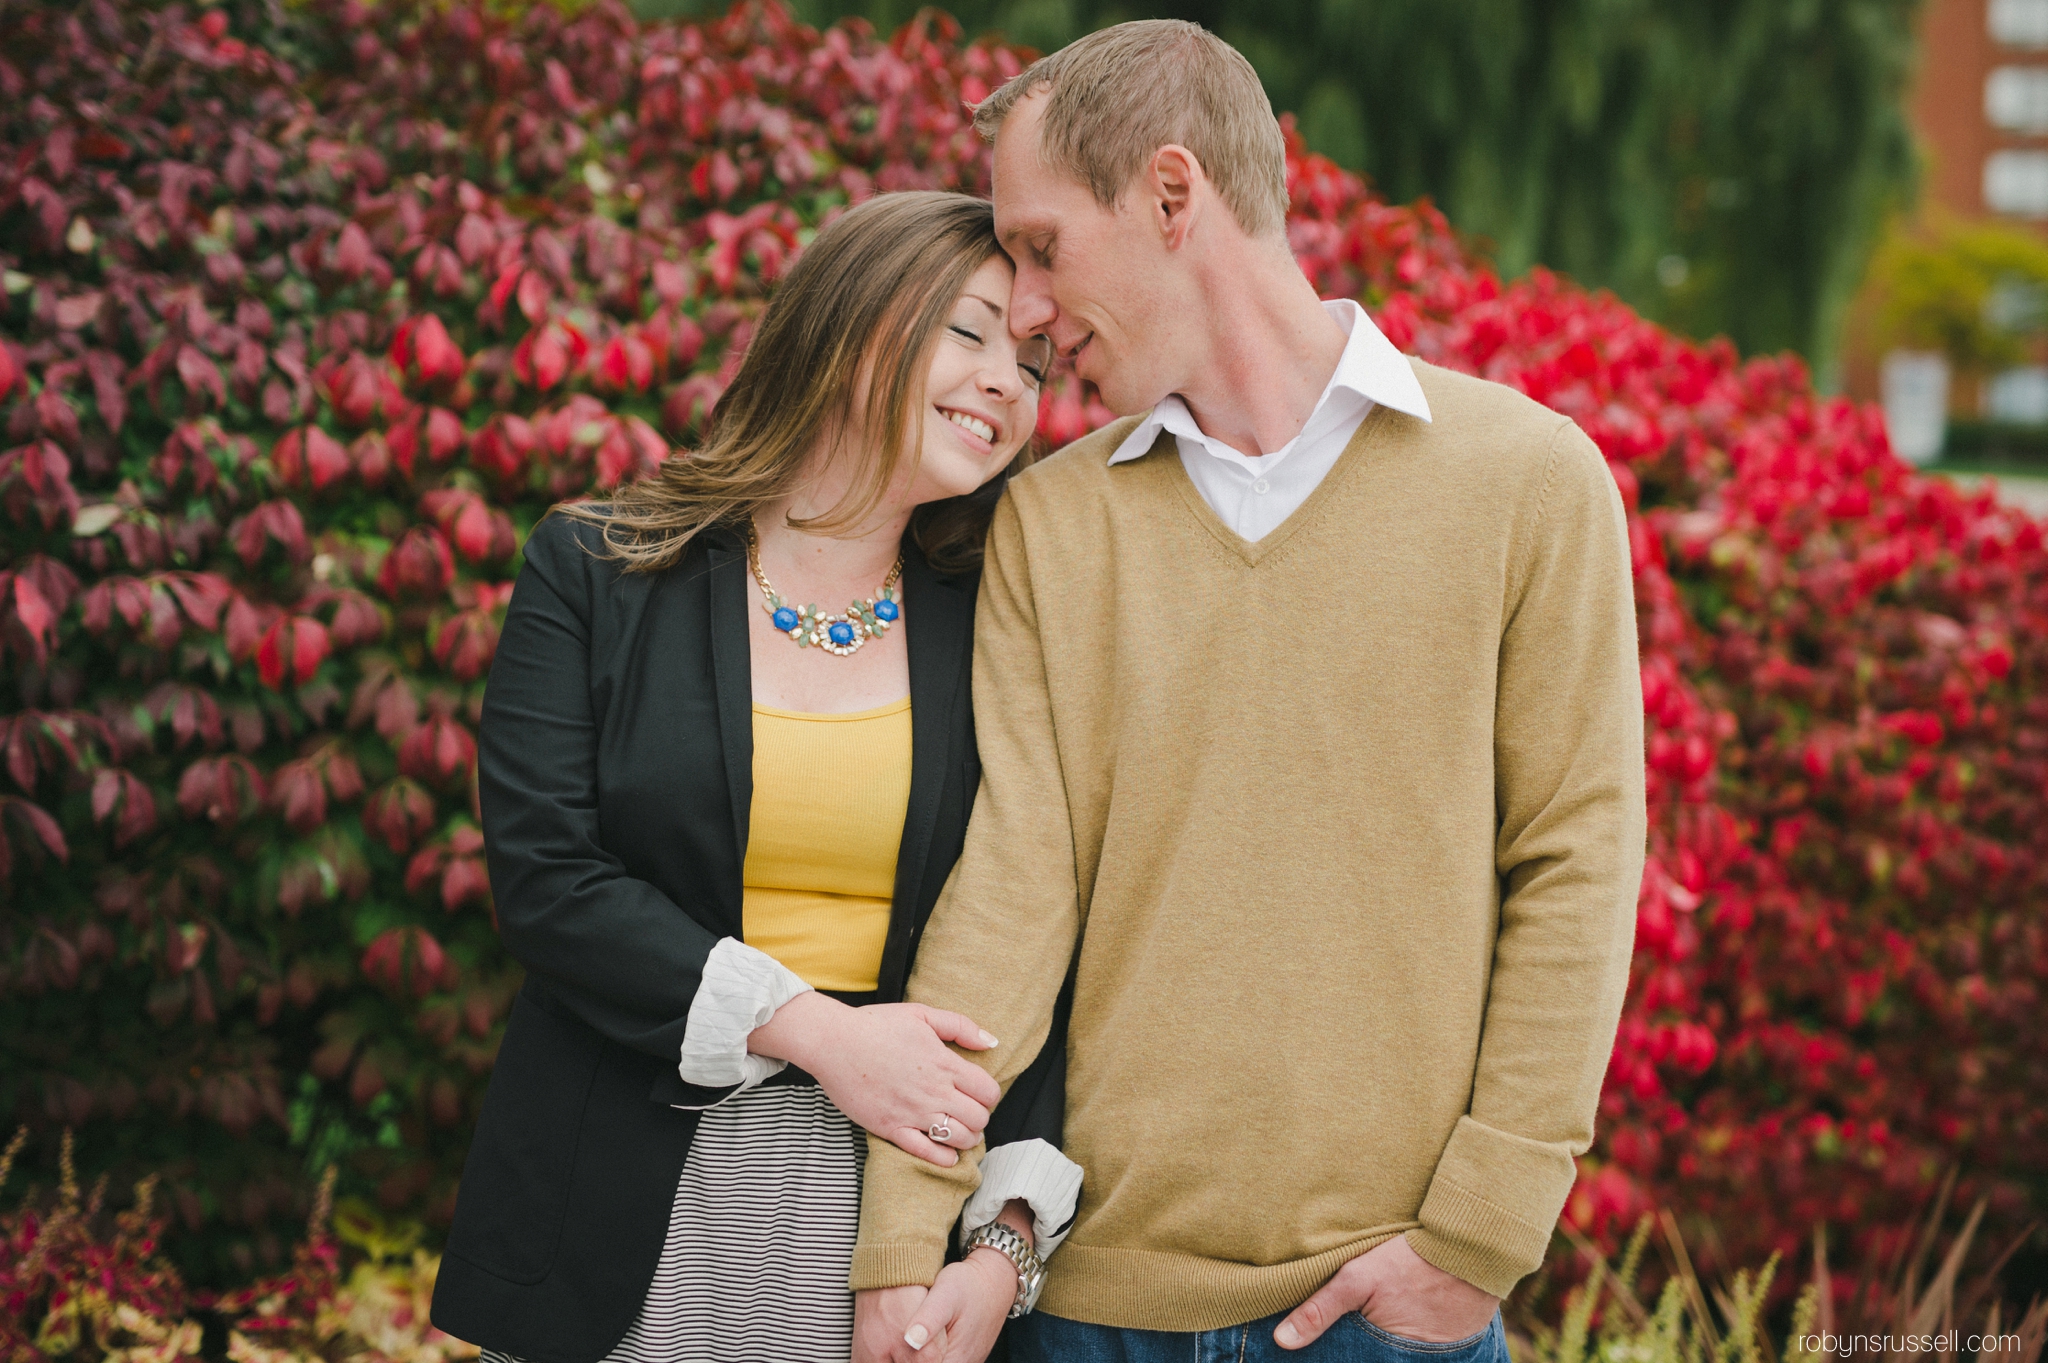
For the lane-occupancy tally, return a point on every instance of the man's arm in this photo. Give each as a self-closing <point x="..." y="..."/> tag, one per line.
<point x="1568" y="763"/>
<point x="999" y="942"/>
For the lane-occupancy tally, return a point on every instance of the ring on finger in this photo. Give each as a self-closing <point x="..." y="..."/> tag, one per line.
<point x="941" y="1130"/>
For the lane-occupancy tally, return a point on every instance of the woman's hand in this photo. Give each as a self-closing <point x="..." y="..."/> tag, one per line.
<point x="956" y="1320"/>
<point x="887" y="1067"/>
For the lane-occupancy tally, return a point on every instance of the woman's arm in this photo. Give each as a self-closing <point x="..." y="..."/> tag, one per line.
<point x="615" y="949"/>
<point x="611" y="947"/>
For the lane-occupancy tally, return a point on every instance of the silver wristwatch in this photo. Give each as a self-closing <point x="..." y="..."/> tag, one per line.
<point x="1014" y="1247"/>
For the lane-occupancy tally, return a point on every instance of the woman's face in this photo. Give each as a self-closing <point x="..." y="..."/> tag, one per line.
<point x="981" y="397"/>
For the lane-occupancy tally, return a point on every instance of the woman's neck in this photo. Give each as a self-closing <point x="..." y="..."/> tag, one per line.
<point x="818" y="567"/>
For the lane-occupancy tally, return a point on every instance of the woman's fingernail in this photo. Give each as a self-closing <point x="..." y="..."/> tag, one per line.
<point x="987" y="1040"/>
<point x="1287" y="1335"/>
<point x="915" y="1336"/>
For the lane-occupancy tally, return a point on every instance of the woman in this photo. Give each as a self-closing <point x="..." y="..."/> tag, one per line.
<point x="717" y="817"/>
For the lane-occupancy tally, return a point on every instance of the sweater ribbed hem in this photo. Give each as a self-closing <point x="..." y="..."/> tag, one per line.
<point x="1468" y="1237"/>
<point x="896" y="1265"/>
<point x="1136" y="1289"/>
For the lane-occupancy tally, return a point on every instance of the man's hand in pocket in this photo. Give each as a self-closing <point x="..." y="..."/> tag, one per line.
<point x="1398" y="1291"/>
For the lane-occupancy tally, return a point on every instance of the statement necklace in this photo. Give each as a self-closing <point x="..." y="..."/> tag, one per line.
<point x="812" y="628"/>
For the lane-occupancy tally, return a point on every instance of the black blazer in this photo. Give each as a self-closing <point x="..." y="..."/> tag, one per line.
<point x="616" y="775"/>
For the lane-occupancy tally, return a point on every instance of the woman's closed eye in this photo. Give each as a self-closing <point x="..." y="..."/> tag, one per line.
<point x="1034" y="357"/>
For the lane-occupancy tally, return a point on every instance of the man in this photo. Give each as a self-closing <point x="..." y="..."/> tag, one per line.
<point x="1310" y="720"/>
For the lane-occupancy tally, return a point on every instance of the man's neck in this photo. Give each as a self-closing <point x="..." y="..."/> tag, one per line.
<point x="1272" y="349"/>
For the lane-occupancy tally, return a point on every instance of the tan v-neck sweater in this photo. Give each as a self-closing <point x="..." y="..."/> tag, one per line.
<point x="1346" y="825"/>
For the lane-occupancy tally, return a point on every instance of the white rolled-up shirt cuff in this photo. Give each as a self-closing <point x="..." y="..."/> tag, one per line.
<point x="741" y="989"/>
<point x="1037" y="1172"/>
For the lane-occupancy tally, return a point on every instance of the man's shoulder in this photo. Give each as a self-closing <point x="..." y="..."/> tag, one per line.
<point x="1075" y="467"/>
<point x="1465" y="406"/>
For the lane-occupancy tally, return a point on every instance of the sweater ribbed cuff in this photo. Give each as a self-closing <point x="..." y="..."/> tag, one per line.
<point x="1491" y="1206"/>
<point x="896" y="1265"/>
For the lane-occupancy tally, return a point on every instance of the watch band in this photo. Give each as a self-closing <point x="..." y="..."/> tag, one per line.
<point x="1014" y="1247"/>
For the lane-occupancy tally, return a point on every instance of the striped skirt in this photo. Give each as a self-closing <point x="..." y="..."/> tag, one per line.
<point x="760" y="1238"/>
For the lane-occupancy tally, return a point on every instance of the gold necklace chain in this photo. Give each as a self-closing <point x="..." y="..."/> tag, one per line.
<point x="840" y="634"/>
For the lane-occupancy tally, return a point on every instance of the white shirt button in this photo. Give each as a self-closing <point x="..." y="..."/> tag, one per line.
<point x="1262" y="487"/>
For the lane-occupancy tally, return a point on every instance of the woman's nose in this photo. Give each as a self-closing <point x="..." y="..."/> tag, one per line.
<point x="1002" y="381"/>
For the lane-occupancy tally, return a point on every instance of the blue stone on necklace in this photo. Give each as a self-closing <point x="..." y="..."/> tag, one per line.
<point x="840" y="633"/>
<point x="784" y="619"/>
<point x="885" y="609"/>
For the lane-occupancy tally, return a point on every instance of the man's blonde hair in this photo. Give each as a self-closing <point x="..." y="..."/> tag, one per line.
<point x="1120" y="94"/>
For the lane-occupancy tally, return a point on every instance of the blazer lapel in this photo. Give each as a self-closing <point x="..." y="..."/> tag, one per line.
<point x="939" y="613"/>
<point x="733" y="668"/>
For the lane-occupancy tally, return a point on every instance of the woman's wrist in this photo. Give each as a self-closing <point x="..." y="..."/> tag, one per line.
<point x="794" y="1033"/>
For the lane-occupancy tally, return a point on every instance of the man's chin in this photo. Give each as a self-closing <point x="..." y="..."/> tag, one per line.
<point x="1126" y="399"/>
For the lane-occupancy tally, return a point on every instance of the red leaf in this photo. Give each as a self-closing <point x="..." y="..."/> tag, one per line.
<point x="473" y="242"/>
<point x="356" y="621"/>
<point x="352" y="252"/>
<point x="39" y="823"/>
<point x="441" y="360"/>
<point x="244" y="628"/>
<point x="309" y="647"/>
<point x="35" y="614"/>
<point x="466" y="644"/>
<point x="502" y="446"/>
<point x="419" y="565"/>
<point x="466" y="881"/>
<point x="201" y="375"/>
<point x="400" y="814"/>
<point x="326" y="460"/>
<point x="274" y="522"/>
<point x="223" y="789"/>
<point x="444" y="434"/>
<point x="404" y="960"/>
<point x="437" y="752"/>
<point x="291" y="649"/>
<point x="371" y="455"/>
<point x="298" y="794"/>
<point x="202" y="595"/>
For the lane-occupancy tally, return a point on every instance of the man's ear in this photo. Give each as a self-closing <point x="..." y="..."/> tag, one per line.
<point x="1175" y="188"/>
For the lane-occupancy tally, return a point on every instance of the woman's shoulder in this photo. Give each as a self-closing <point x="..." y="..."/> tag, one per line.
<point x="574" y="539"/>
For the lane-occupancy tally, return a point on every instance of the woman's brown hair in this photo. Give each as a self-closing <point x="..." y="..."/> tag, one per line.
<point x="869" y="296"/>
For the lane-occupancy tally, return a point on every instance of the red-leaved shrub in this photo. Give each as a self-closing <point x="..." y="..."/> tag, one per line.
<point x="307" y="319"/>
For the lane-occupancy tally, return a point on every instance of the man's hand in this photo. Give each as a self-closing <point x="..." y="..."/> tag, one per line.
<point x="1398" y="1291"/>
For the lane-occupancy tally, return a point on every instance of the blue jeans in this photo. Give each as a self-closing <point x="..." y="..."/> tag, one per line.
<point x="1040" y="1338"/>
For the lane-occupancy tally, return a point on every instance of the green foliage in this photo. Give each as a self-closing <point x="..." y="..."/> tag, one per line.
<point x="1723" y="165"/>
<point x="1978" y="293"/>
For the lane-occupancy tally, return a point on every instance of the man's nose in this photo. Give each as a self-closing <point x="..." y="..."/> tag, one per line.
<point x="1031" y="307"/>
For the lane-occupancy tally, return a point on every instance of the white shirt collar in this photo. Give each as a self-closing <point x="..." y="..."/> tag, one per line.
<point x="1370" y="368"/>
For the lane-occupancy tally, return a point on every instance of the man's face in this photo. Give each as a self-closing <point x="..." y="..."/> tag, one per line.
<point x="1098" y="281"/>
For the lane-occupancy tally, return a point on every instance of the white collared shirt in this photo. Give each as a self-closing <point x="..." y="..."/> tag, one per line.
<point x="1254" y="495"/>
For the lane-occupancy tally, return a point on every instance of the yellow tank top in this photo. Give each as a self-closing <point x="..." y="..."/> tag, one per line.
<point x="830" y="795"/>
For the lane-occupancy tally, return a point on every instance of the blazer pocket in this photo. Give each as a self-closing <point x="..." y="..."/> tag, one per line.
<point x="514" y="1197"/>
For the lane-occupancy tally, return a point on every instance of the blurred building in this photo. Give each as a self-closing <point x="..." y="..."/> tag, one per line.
<point x="1979" y="109"/>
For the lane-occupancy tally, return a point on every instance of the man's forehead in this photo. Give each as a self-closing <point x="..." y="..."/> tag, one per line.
<point x="1024" y="187"/>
